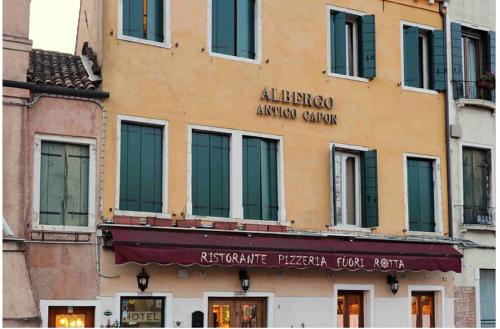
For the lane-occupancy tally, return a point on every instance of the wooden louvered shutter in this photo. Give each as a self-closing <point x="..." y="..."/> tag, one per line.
<point x="338" y="42"/>
<point x="223" y="27"/>
<point x="334" y="187"/>
<point x="77" y="185"/>
<point x="420" y="195"/>
<point x="369" y="189"/>
<point x="367" y="47"/>
<point x="200" y="177"/>
<point x="155" y="13"/>
<point x="456" y="60"/>
<point x="52" y="184"/>
<point x="245" y="29"/>
<point x="133" y="11"/>
<point x="438" y="65"/>
<point x="411" y="57"/>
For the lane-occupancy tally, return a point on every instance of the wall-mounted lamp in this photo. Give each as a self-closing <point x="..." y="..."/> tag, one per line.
<point x="393" y="282"/>
<point x="245" y="280"/>
<point x="142" y="280"/>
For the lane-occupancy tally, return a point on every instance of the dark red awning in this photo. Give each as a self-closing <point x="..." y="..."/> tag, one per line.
<point x="244" y="249"/>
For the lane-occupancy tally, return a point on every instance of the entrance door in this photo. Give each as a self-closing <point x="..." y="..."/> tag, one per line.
<point x="422" y="309"/>
<point x="239" y="312"/>
<point x="350" y="309"/>
<point x="71" y="317"/>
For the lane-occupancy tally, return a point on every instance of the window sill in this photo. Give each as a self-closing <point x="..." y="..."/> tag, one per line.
<point x="63" y="229"/>
<point x="239" y="220"/>
<point x="420" y="90"/>
<point x="166" y="45"/>
<point x="234" y="58"/>
<point x="423" y="234"/>
<point x="348" y="77"/>
<point x="478" y="227"/>
<point x="481" y="103"/>
<point x="141" y="214"/>
<point x="349" y="228"/>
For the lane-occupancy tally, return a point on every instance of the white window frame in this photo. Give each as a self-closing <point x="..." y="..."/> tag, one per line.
<point x="37" y="160"/>
<point x="329" y="9"/>
<point x="258" y="36"/>
<point x="347" y="227"/>
<point x="438" y="207"/>
<point x="166" y="27"/>
<point x="152" y="122"/>
<point x="236" y="175"/>
<point x="439" y="303"/>
<point x="228" y="294"/>
<point x="484" y="147"/>
<point x="168" y="323"/>
<point x="45" y="304"/>
<point x="368" y="302"/>
<point x="426" y="71"/>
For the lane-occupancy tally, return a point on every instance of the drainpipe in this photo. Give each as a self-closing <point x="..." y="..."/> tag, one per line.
<point x="442" y="11"/>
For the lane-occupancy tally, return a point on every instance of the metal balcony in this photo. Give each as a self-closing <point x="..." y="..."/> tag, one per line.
<point x="473" y="90"/>
<point x="478" y="215"/>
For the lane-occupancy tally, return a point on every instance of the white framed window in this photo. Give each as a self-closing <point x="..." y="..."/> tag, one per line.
<point x="64" y="183"/>
<point x="231" y="31"/>
<point x="146" y="22"/>
<point x="141" y="157"/>
<point x="426" y="306"/>
<point x="158" y="304"/>
<point x="237" y="206"/>
<point x="357" y="297"/>
<point x="415" y="57"/>
<point x="422" y="194"/>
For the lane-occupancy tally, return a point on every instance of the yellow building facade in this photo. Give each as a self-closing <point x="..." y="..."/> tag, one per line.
<point x="288" y="92"/>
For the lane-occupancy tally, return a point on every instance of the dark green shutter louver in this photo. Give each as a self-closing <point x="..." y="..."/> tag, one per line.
<point x="420" y="195"/>
<point x="141" y="163"/>
<point x="260" y="179"/>
<point x="245" y="18"/>
<point x="133" y="19"/>
<point x="438" y="63"/>
<point x="367" y="46"/>
<point x="334" y="188"/>
<point x="155" y="20"/>
<point x="369" y="189"/>
<point x="338" y="42"/>
<point x="64" y="184"/>
<point x="223" y="27"/>
<point x="210" y="174"/>
<point x="456" y="60"/>
<point x="476" y="169"/>
<point x="411" y="57"/>
<point x="492" y="58"/>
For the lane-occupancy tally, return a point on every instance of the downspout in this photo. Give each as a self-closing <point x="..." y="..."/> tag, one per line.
<point x="443" y="12"/>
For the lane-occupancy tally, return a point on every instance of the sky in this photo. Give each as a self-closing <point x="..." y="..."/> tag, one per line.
<point x="53" y="24"/>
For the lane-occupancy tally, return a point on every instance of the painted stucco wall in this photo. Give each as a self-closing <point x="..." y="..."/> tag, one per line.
<point x="481" y="13"/>
<point x="185" y="85"/>
<point x="90" y="27"/>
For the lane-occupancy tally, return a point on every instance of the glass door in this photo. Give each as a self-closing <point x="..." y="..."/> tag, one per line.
<point x="422" y="309"/>
<point x="237" y="312"/>
<point x="71" y="317"/>
<point x="350" y="309"/>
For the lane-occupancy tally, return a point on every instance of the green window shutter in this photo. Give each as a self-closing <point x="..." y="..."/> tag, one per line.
<point x="476" y="166"/>
<point x="77" y="185"/>
<point x="420" y="195"/>
<point x="411" y="56"/>
<point x="133" y="19"/>
<point x="338" y="42"/>
<point x="491" y="51"/>
<point x="369" y="189"/>
<point x="223" y="27"/>
<point x="141" y="163"/>
<point x="245" y="38"/>
<point x="52" y="184"/>
<point x="456" y="60"/>
<point x="210" y="174"/>
<point x="260" y="179"/>
<point x="438" y="63"/>
<point x="334" y="189"/>
<point x="155" y="13"/>
<point x="367" y="46"/>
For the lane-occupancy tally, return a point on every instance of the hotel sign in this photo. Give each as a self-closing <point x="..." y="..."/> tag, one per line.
<point x="282" y="103"/>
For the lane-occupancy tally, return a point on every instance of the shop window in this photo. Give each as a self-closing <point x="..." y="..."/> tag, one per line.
<point x="424" y="64"/>
<point x="476" y="186"/>
<point x="141" y="168"/>
<point x="144" y="20"/>
<point x="142" y="312"/>
<point x="487" y="298"/>
<point x="354" y="187"/>
<point x="350" y="313"/>
<point x="260" y="179"/>
<point x="210" y="174"/>
<point x="71" y="317"/>
<point x="64" y="184"/>
<point x="423" y="309"/>
<point x="237" y="312"/>
<point x="352" y="44"/>
<point x="233" y="28"/>
<point x="473" y="62"/>
<point x="421" y="194"/>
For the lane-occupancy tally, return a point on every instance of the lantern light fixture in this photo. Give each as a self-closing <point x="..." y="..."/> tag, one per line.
<point x="245" y="280"/>
<point x="393" y="281"/>
<point x="142" y="280"/>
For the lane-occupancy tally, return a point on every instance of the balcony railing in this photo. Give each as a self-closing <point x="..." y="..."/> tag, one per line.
<point x="473" y="90"/>
<point x="477" y="215"/>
